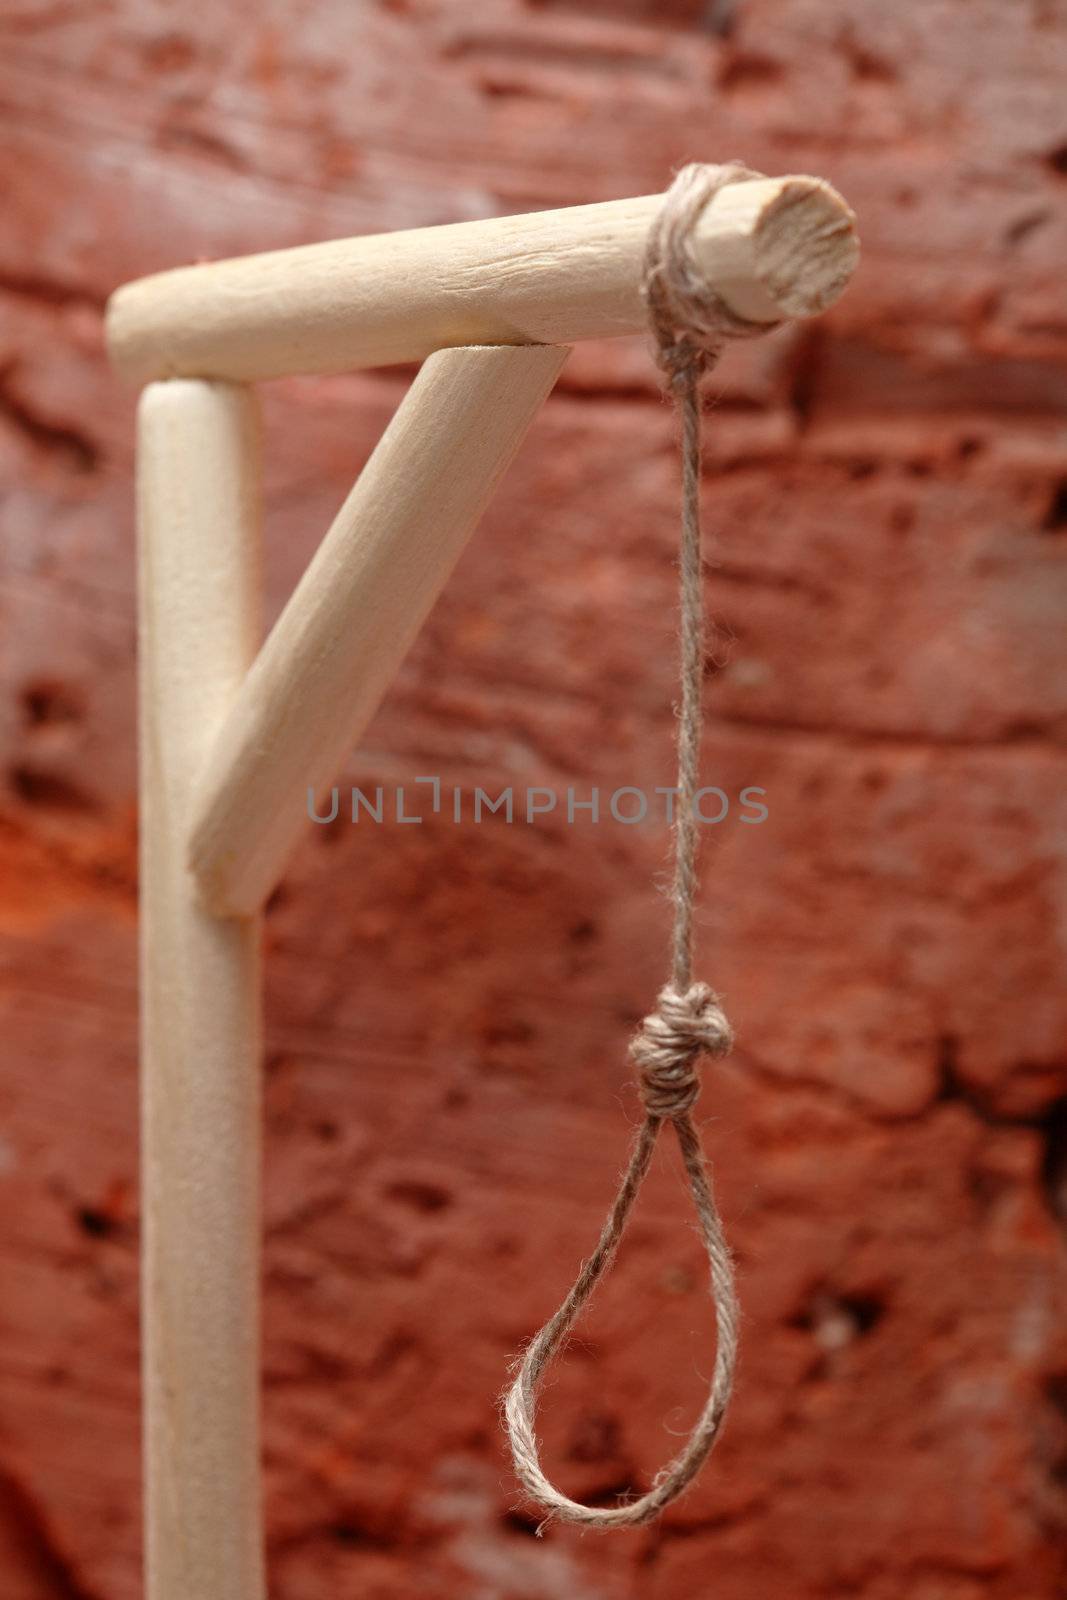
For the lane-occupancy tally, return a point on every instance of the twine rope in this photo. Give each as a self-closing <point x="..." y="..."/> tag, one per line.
<point x="690" y="326"/>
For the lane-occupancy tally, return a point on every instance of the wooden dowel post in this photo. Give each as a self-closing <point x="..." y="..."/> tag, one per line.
<point x="330" y="658"/>
<point x="198" y="510"/>
<point x="770" y="247"/>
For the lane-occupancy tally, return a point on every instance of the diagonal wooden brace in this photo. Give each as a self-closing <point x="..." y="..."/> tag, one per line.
<point x="334" y="650"/>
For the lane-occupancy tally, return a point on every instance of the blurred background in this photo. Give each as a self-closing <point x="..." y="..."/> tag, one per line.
<point x="447" y="1090"/>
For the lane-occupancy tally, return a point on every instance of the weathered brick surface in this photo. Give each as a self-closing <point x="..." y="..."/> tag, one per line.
<point x="449" y="1006"/>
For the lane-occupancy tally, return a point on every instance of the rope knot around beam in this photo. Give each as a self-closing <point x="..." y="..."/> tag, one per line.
<point x="685" y="1025"/>
<point x="690" y="321"/>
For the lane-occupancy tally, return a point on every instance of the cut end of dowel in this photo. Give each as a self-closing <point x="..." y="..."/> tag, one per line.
<point x="806" y="247"/>
<point x="777" y="248"/>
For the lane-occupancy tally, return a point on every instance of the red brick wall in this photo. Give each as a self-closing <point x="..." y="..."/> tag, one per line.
<point x="449" y="1007"/>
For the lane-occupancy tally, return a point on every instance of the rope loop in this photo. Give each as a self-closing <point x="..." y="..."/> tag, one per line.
<point x="690" y="325"/>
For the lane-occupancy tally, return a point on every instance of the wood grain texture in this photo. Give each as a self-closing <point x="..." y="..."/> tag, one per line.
<point x="321" y="674"/>
<point x="200" y="1045"/>
<point x="772" y="248"/>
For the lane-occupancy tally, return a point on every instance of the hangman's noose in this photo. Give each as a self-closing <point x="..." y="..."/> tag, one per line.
<point x="690" y="326"/>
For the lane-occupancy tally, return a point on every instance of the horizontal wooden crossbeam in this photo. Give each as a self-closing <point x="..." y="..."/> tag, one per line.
<point x="772" y="248"/>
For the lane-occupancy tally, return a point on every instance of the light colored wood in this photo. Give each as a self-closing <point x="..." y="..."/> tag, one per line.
<point x="772" y="248"/>
<point x="351" y="620"/>
<point x="198" y="504"/>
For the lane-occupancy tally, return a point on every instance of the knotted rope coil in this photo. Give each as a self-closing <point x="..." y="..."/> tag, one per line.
<point x="690" y="326"/>
<point x="669" y="1044"/>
